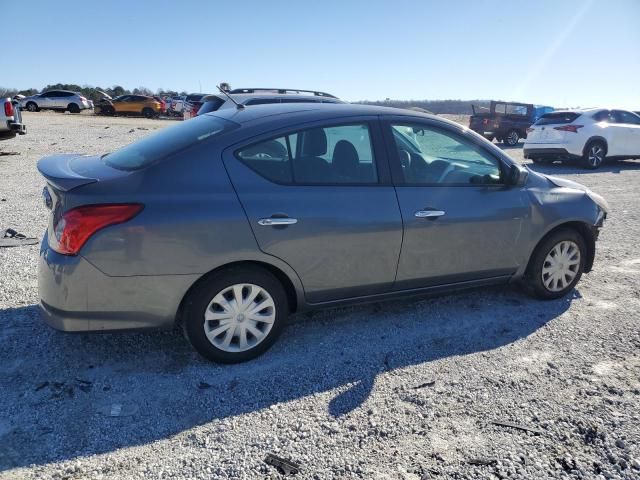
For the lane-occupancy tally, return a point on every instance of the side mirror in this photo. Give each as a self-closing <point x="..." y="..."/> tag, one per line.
<point x="517" y="175"/>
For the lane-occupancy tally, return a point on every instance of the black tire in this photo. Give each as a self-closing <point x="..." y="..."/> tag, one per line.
<point x="512" y="138"/>
<point x="534" y="275"/>
<point x="489" y="137"/>
<point x="199" y="299"/>
<point x="594" y="155"/>
<point x="73" y="108"/>
<point x="148" y="112"/>
<point x="32" y="107"/>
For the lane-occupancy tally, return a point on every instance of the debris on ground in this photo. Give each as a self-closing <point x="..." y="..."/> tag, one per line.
<point x="535" y="431"/>
<point x="285" y="466"/>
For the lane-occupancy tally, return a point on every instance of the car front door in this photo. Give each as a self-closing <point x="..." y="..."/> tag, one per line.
<point x="321" y="199"/>
<point x="461" y="221"/>
<point x="47" y="100"/>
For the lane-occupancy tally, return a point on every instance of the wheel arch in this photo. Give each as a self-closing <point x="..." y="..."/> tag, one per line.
<point x="294" y="298"/>
<point x="595" y="138"/>
<point x="584" y="229"/>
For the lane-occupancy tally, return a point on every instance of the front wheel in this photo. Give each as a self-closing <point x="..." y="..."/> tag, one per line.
<point x="557" y="264"/>
<point x="235" y="315"/>
<point x="32" y="107"/>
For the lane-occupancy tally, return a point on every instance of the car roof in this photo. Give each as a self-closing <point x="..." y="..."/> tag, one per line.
<point x="285" y="113"/>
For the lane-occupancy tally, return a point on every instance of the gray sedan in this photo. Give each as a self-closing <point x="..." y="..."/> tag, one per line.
<point x="229" y="222"/>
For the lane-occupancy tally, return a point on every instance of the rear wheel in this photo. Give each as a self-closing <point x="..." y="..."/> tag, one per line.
<point x="557" y="264"/>
<point x="148" y="112"/>
<point x="73" y="108"/>
<point x="32" y="107"/>
<point x="236" y="314"/>
<point x="594" y="155"/>
<point x="512" y="138"/>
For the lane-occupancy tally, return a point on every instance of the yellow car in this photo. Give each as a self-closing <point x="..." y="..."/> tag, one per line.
<point x="131" y="105"/>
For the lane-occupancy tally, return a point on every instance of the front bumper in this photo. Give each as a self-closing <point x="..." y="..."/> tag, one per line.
<point x="77" y="297"/>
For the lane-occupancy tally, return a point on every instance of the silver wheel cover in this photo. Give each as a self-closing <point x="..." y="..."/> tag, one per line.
<point x="239" y="317"/>
<point x="561" y="266"/>
<point x="596" y="155"/>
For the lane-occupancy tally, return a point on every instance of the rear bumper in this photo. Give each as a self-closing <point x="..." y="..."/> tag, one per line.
<point x="77" y="297"/>
<point x="548" y="152"/>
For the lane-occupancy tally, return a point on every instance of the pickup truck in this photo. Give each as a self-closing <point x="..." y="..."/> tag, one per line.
<point x="10" y="119"/>
<point x="506" y="121"/>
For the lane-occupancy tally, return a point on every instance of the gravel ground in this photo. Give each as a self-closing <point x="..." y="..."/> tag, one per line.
<point x="399" y="390"/>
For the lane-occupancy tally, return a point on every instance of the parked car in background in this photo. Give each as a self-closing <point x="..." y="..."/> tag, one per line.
<point x="143" y="105"/>
<point x="11" y="119"/>
<point x="263" y="96"/>
<point x="505" y="121"/>
<point x="60" y="100"/>
<point x="590" y="135"/>
<point x="163" y="104"/>
<point x="297" y="206"/>
<point x="186" y="103"/>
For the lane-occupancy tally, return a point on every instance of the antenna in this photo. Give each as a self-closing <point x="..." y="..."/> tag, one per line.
<point x="224" y="92"/>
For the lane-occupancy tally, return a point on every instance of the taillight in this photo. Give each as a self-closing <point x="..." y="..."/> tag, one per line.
<point x="8" y="109"/>
<point x="82" y="98"/>
<point x="78" y="224"/>
<point x="569" y="128"/>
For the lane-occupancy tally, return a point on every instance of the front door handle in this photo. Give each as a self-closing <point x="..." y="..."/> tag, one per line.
<point x="429" y="213"/>
<point x="266" y="222"/>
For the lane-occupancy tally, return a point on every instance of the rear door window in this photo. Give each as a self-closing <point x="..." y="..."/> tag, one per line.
<point x="335" y="155"/>
<point x="166" y="142"/>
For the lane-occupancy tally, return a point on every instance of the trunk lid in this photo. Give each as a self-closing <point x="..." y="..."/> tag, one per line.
<point x="68" y="171"/>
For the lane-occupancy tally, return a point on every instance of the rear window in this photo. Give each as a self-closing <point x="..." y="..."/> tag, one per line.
<point x="211" y="104"/>
<point x="167" y="142"/>
<point x="557" y="118"/>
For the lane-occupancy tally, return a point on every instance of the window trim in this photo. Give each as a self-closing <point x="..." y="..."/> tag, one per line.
<point x="394" y="160"/>
<point x="378" y="149"/>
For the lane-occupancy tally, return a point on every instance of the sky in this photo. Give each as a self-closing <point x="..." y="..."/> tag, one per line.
<point x="553" y="52"/>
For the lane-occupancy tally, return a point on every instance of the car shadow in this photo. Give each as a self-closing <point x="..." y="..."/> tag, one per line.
<point x="71" y="395"/>
<point x="504" y="146"/>
<point x="573" y="167"/>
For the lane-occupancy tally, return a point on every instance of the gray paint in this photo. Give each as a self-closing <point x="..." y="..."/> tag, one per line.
<point x="351" y="243"/>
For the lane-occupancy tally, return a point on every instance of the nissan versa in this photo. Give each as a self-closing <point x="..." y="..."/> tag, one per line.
<point x="227" y="223"/>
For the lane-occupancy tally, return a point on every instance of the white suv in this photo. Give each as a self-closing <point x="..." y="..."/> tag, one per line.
<point x="589" y="135"/>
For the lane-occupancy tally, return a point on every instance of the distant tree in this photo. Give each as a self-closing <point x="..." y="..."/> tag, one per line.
<point x="7" y="92"/>
<point x="142" y="91"/>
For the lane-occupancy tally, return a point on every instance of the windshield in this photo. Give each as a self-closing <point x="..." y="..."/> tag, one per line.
<point x="167" y="142"/>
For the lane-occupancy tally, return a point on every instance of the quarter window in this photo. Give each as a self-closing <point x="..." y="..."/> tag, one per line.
<point x="433" y="156"/>
<point x="336" y="155"/>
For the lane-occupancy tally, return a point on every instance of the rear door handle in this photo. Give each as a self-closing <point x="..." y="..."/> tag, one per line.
<point x="266" y="222"/>
<point x="429" y="213"/>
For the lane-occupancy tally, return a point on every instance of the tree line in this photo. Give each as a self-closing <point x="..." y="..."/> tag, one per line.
<point x="461" y="107"/>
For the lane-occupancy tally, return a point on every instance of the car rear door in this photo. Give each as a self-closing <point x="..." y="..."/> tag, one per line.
<point x="320" y="198"/>
<point x="461" y="222"/>
<point x="47" y="100"/>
